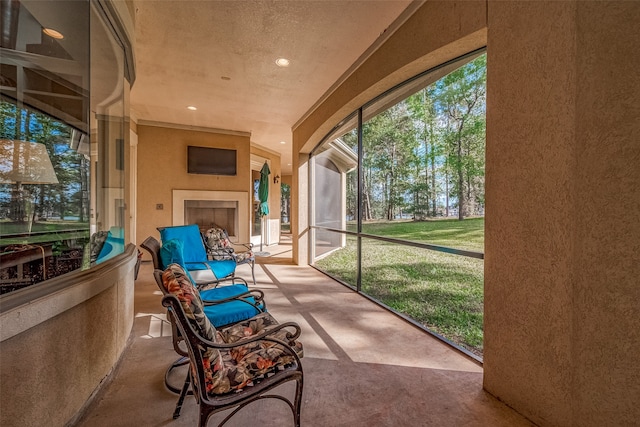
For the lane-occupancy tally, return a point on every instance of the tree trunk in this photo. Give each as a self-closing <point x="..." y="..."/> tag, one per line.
<point x="461" y="203"/>
<point x="432" y="155"/>
<point x="366" y="202"/>
<point x="446" y="180"/>
<point x="427" y="138"/>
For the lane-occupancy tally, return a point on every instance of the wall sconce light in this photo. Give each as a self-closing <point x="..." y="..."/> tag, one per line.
<point x="276" y="179"/>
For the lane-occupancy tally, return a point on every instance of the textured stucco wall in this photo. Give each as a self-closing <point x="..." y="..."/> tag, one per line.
<point x="530" y="206"/>
<point x="562" y="190"/>
<point x="606" y="311"/>
<point x="162" y="167"/>
<point x="49" y="371"/>
<point x="300" y="209"/>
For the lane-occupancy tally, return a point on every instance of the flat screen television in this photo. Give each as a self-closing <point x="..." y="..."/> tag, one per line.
<point x="211" y="161"/>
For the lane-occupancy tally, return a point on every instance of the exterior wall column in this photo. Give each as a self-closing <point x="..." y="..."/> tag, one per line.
<point x="300" y="208"/>
<point x="562" y="254"/>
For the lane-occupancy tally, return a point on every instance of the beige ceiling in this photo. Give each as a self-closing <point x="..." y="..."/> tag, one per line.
<point x="219" y="56"/>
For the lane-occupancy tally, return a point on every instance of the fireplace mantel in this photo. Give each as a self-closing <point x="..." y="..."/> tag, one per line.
<point x="241" y="197"/>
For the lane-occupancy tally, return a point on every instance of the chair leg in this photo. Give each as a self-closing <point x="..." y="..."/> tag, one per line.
<point x="180" y="362"/>
<point x="183" y="393"/>
<point x="253" y="274"/>
<point x="205" y="413"/>
<point x="297" y="405"/>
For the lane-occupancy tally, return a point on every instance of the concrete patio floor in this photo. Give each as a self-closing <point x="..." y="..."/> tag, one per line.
<point x="363" y="366"/>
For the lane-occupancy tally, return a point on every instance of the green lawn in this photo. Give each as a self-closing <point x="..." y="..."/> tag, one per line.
<point x="10" y="227"/>
<point x="467" y="234"/>
<point x="42" y="231"/>
<point x="444" y="292"/>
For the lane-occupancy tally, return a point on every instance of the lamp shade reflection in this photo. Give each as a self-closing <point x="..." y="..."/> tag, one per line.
<point x="23" y="162"/>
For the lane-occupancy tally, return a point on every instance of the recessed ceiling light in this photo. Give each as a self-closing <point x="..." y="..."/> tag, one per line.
<point x="192" y="108"/>
<point x="225" y="78"/>
<point x="288" y="164"/>
<point x="53" y="33"/>
<point x="282" y="62"/>
<point x="282" y="142"/>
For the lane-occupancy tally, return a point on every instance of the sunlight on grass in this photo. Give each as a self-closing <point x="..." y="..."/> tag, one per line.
<point x="467" y="234"/>
<point x="444" y="292"/>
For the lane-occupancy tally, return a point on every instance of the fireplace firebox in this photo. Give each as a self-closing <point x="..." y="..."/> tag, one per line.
<point x="227" y="209"/>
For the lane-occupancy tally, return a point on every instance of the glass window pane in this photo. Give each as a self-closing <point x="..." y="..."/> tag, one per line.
<point x="422" y="181"/>
<point x="336" y="254"/>
<point x="44" y="169"/>
<point x="109" y="130"/>
<point x="423" y="156"/>
<point x="441" y="291"/>
<point x="43" y="67"/>
<point x="335" y="182"/>
<point x="63" y="141"/>
<point x="285" y="208"/>
<point x="389" y="165"/>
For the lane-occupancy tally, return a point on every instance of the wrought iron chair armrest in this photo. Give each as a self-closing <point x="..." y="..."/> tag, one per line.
<point x="257" y="294"/>
<point x="249" y="246"/>
<point x="263" y="336"/>
<point x="259" y="304"/>
<point x="173" y="304"/>
<point x="215" y="283"/>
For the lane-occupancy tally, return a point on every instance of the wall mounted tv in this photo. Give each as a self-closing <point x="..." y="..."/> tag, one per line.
<point x="211" y="161"/>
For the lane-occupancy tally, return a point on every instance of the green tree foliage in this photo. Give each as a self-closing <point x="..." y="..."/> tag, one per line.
<point x="285" y="202"/>
<point x="425" y="154"/>
<point x="388" y="144"/>
<point x="425" y="184"/>
<point x="460" y="97"/>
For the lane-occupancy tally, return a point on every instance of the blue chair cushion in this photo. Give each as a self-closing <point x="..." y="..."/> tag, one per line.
<point x="228" y="312"/>
<point x="221" y="269"/>
<point x="223" y="292"/>
<point x="189" y="235"/>
<point x="172" y="252"/>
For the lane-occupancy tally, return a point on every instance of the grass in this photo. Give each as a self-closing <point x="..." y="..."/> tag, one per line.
<point x="444" y="292"/>
<point x="42" y="231"/>
<point x="11" y="227"/>
<point x="467" y="234"/>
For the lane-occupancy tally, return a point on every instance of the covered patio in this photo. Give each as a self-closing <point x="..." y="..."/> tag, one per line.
<point x="363" y="365"/>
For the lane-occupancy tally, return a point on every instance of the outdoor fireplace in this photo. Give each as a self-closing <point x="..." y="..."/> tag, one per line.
<point x="209" y="213"/>
<point x="227" y="209"/>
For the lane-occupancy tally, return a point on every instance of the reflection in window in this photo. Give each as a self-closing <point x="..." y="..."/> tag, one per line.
<point x="62" y="141"/>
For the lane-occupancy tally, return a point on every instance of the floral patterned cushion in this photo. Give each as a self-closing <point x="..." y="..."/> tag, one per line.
<point x="243" y="256"/>
<point x="219" y="247"/>
<point x="242" y="365"/>
<point x="256" y="325"/>
<point x="216" y="238"/>
<point x="177" y="282"/>
<point x="236" y="368"/>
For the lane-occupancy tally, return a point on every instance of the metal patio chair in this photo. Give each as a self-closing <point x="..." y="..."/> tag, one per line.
<point x="184" y="244"/>
<point x="233" y="366"/>
<point x="219" y="247"/>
